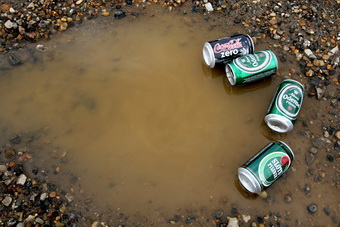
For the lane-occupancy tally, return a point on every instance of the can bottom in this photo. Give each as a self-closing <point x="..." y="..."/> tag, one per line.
<point x="278" y="123"/>
<point x="208" y="55"/>
<point x="248" y="181"/>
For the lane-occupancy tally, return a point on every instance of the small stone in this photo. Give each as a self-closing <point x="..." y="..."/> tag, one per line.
<point x="233" y="222"/>
<point x="263" y="194"/>
<point x="21" y="179"/>
<point x="272" y="14"/>
<point x="53" y="194"/>
<point x="319" y="143"/>
<point x="309" y="53"/>
<point x="7" y="201"/>
<point x="209" y="7"/>
<point x="9" y="24"/>
<point x="309" y="73"/>
<point x="330" y="158"/>
<point x="69" y="197"/>
<point x="13" y="59"/>
<point x="96" y="224"/>
<point x="40" y="47"/>
<point x="79" y="2"/>
<point x="3" y="168"/>
<point x="237" y="20"/>
<point x="246" y="218"/>
<point x="20" y="224"/>
<point x="309" y="158"/>
<point x="276" y="37"/>
<point x="337" y="135"/>
<point x="313" y="150"/>
<point x="30" y="219"/>
<point x="333" y="51"/>
<point x="312" y="208"/>
<point x="11" y="10"/>
<point x="119" y="14"/>
<point x="322" y="173"/>
<point x="288" y="198"/>
<point x="218" y="214"/>
<point x="320" y="92"/>
<point x="10" y="153"/>
<point x="39" y="220"/>
<point x="43" y="196"/>
<point x="106" y="14"/>
<point x="30" y="6"/>
<point x="326" y="134"/>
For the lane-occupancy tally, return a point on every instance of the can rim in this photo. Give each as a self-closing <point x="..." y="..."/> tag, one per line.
<point x="208" y="55"/>
<point x="249" y="181"/>
<point x="278" y="123"/>
<point x="294" y="81"/>
<point x="252" y="44"/>
<point x="230" y="74"/>
<point x="288" y="148"/>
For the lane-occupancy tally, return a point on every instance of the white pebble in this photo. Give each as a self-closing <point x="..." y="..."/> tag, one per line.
<point x="209" y="7"/>
<point x="21" y="179"/>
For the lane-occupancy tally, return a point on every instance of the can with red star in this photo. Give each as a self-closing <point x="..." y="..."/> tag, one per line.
<point x="285" y="106"/>
<point x="265" y="167"/>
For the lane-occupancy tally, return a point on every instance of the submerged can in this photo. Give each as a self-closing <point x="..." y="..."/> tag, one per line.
<point x="251" y="67"/>
<point x="264" y="168"/>
<point x="285" y="106"/>
<point x="224" y="50"/>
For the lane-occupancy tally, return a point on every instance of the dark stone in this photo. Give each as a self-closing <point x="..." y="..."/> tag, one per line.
<point x="319" y="143"/>
<point x="234" y="211"/>
<point x="16" y="140"/>
<point x="190" y="219"/>
<point x="118" y="6"/>
<point x="119" y="14"/>
<point x="332" y="72"/>
<point x="330" y="158"/>
<point x="237" y="20"/>
<point x="18" y="169"/>
<point x="283" y="58"/>
<point x="218" y="214"/>
<point x="312" y="208"/>
<point x="52" y="187"/>
<point x="35" y="171"/>
<point x="260" y="220"/>
<point x="128" y="2"/>
<point x="13" y="59"/>
<point x="326" y="211"/>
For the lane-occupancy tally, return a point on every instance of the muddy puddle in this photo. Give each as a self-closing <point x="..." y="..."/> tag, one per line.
<point x="143" y="124"/>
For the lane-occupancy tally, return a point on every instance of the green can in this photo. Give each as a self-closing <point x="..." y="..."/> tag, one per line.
<point x="251" y="67"/>
<point x="285" y="106"/>
<point x="265" y="167"/>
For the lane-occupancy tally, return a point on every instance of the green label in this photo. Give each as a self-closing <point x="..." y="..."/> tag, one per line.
<point x="273" y="166"/>
<point x="254" y="63"/>
<point x="289" y="100"/>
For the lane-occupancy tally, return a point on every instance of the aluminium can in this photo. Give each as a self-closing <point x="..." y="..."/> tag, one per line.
<point x="265" y="167"/>
<point x="224" y="50"/>
<point x="285" y="106"/>
<point x="252" y="67"/>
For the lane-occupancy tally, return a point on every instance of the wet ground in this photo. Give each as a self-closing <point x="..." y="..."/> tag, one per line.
<point x="124" y="115"/>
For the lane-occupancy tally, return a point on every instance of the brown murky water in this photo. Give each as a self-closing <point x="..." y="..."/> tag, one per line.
<point x="146" y="126"/>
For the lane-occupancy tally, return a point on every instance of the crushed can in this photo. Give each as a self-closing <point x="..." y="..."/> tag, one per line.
<point x="265" y="167"/>
<point x="252" y="67"/>
<point x="285" y="106"/>
<point x="224" y="50"/>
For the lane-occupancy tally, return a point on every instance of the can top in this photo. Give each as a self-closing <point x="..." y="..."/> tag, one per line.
<point x="230" y="74"/>
<point x="249" y="181"/>
<point x="278" y="123"/>
<point x="208" y="55"/>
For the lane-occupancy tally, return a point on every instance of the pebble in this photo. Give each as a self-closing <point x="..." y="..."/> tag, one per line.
<point x="309" y="158"/>
<point x="9" y="24"/>
<point x="7" y="201"/>
<point x="21" y="179"/>
<point x="309" y="53"/>
<point x="209" y="7"/>
<point x="233" y="222"/>
<point x="3" y="168"/>
<point x="13" y="59"/>
<point x="337" y="135"/>
<point x="312" y="208"/>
